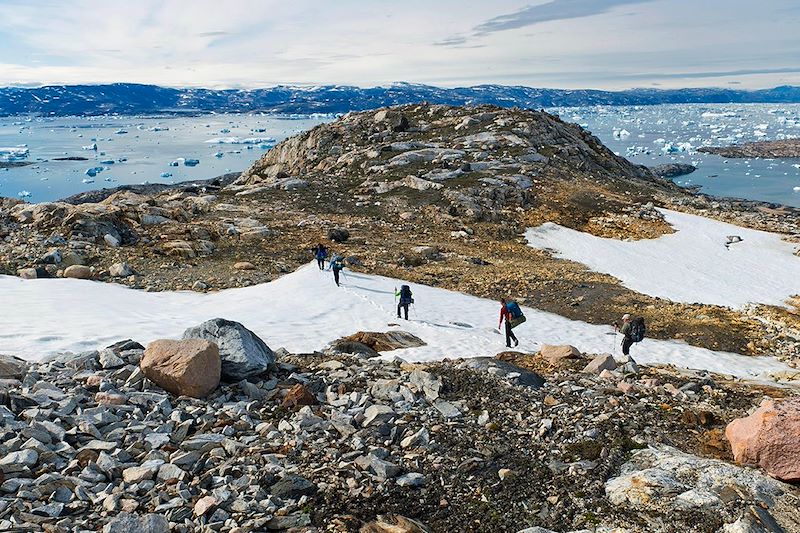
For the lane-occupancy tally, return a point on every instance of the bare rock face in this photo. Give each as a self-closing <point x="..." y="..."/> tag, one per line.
<point x="770" y="438"/>
<point x="189" y="367"/>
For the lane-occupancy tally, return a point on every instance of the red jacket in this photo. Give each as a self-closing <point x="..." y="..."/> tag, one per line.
<point x="504" y="313"/>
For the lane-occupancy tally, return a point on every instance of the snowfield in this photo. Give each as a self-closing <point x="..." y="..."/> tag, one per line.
<point x="691" y="265"/>
<point x="304" y="311"/>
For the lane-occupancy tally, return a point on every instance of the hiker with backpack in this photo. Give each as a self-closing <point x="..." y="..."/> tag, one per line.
<point x="632" y="331"/>
<point x="512" y="314"/>
<point x="337" y="265"/>
<point x="405" y="301"/>
<point x="320" y="253"/>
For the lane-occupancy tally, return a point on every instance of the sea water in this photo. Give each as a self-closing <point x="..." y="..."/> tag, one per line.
<point x="170" y="149"/>
<point x="133" y="150"/>
<point x="655" y="135"/>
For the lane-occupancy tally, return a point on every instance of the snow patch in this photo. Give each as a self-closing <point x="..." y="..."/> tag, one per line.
<point x="304" y="311"/>
<point x="691" y="265"/>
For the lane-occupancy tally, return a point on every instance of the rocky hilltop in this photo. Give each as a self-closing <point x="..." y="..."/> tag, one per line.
<point x="789" y="148"/>
<point x="433" y="194"/>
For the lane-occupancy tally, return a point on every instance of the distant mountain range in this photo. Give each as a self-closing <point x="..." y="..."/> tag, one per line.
<point x="127" y="98"/>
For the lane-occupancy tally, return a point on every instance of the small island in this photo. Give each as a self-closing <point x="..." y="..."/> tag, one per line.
<point x="766" y="149"/>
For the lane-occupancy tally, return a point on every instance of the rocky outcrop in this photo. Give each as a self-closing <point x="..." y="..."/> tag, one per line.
<point x="386" y="341"/>
<point x="768" y="149"/>
<point x="661" y="482"/>
<point x="479" y="160"/>
<point x="770" y="438"/>
<point x="188" y="367"/>
<point x="12" y="367"/>
<point x="243" y="353"/>
<point x="672" y="170"/>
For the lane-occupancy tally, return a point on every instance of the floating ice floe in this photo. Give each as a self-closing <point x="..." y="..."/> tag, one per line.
<point x="14" y="153"/>
<point x="120" y="132"/>
<point x="238" y="140"/>
<point x="191" y="162"/>
<point x="88" y="180"/>
<point x="92" y="146"/>
<point x="621" y="134"/>
<point x="166" y="174"/>
<point x="24" y="194"/>
<point x="107" y="162"/>
<point x="93" y="171"/>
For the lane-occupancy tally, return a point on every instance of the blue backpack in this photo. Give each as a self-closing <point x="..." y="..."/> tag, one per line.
<point x="513" y="308"/>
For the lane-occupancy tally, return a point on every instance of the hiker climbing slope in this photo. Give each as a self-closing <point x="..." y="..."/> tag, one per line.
<point x="632" y="331"/>
<point x="320" y="254"/>
<point x="406" y="299"/>
<point x="337" y="265"/>
<point x="512" y="314"/>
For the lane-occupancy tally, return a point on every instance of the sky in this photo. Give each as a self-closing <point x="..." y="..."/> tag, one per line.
<point x="604" y="44"/>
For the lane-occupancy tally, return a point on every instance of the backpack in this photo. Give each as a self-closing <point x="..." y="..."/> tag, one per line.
<point x="638" y="329"/>
<point x="513" y="309"/>
<point x="405" y="294"/>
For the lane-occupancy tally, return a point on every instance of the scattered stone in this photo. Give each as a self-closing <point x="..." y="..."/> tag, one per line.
<point x="244" y="265"/>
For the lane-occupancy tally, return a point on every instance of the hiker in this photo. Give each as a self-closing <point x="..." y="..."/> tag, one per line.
<point x="337" y="265"/>
<point x="632" y="331"/>
<point x="320" y="253"/>
<point x="506" y="313"/>
<point x="406" y="299"/>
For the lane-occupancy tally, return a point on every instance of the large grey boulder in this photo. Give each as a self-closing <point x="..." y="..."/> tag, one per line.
<point x="130" y="523"/>
<point x="243" y="353"/>
<point x="12" y="367"/>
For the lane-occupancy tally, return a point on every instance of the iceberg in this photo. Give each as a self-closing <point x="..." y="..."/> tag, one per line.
<point x="14" y="153"/>
<point x="166" y="174"/>
<point x="24" y="194"/>
<point x="87" y="180"/>
<point x="191" y="162"/>
<point x="92" y="146"/>
<point x="94" y="171"/>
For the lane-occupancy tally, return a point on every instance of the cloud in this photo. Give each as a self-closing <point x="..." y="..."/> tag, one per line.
<point x="213" y="34"/>
<point x="455" y="40"/>
<point x="553" y="10"/>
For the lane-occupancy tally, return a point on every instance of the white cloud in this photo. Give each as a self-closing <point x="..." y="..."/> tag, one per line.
<point x="555" y="43"/>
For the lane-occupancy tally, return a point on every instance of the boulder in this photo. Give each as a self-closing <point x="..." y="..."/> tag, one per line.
<point x="394" y="524"/>
<point x="391" y="119"/>
<point x="601" y="362"/>
<point x="78" y="272"/>
<point x="297" y="396"/>
<point x="338" y="234"/>
<point x="129" y="523"/>
<point x="243" y="353"/>
<point x="244" y="265"/>
<point x="12" y="367"/>
<point x="353" y="348"/>
<point x="386" y="341"/>
<point x="556" y="354"/>
<point x="120" y="270"/>
<point x="770" y="438"/>
<point x="188" y="367"/>
<point x="661" y="482"/>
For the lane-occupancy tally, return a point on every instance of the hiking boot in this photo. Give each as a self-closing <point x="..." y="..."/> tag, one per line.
<point x="516" y="343"/>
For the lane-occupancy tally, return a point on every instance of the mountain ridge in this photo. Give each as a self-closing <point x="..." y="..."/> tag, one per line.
<point x="131" y="98"/>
